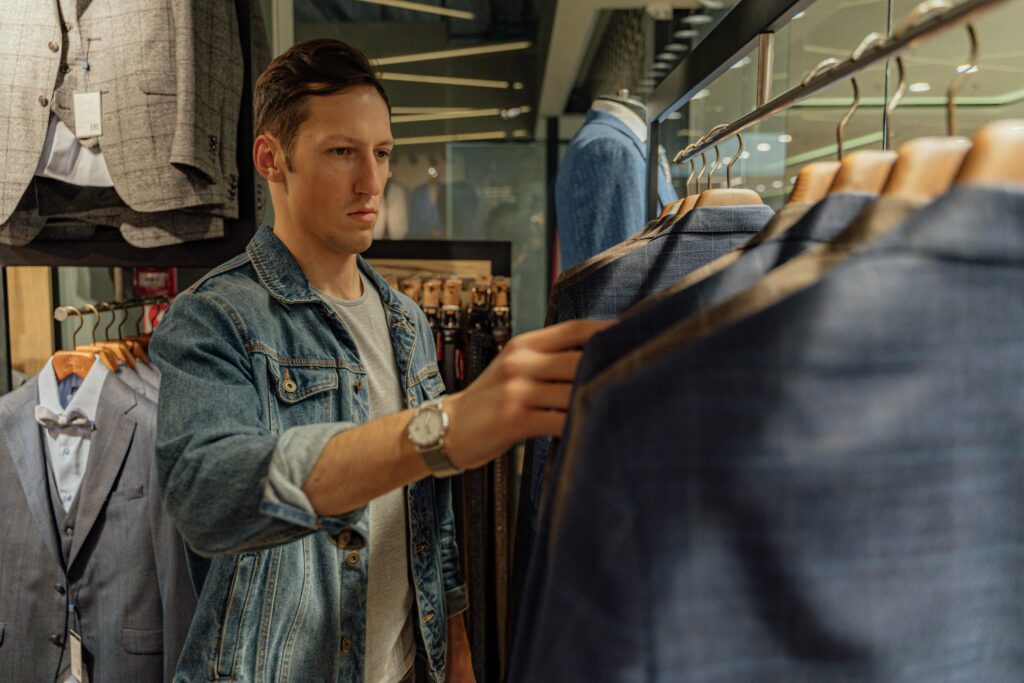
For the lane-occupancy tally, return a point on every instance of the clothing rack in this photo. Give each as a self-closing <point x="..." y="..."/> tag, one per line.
<point x="823" y="77"/>
<point x="62" y="313"/>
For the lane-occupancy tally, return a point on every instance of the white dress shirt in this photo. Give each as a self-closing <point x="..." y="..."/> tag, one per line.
<point x="69" y="454"/>
<point x="65" y="159"/>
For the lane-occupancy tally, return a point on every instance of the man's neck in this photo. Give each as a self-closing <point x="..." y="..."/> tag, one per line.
<point x="332" y="272"/>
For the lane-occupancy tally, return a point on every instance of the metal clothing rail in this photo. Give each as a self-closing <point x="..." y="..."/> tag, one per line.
<point x="928" y="26"/>
<point x="62" y="313"/>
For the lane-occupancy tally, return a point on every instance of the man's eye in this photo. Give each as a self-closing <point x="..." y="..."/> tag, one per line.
<point x="341" y="151"/>
<point x="384" y="154"/>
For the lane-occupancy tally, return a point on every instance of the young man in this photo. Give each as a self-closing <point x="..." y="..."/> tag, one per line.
<point x="298" y="430"/>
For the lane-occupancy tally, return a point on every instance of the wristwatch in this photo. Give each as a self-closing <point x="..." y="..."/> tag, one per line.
<point x="426" y="431"/>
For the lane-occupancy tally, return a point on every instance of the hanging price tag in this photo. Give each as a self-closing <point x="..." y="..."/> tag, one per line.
<point x="88" y="115"/>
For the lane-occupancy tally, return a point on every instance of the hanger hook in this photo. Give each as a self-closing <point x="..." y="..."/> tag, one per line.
<point x="124" y="319"/>
<point x="964" y="72"/>
<point x="894" y="101"/>
<point x="871" y="40"/>
<point x="81" y="322"/>
<point x="735" y="158"/>
<point x="92" y="309"/>
<point x="113" y="317"/>
<point x="718" y="155"/>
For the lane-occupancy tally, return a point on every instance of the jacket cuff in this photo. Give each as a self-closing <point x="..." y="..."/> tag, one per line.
<point x="294" y="456"/>
<point x="456" y="601"/>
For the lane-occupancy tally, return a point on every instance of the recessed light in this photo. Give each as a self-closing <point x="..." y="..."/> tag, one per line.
<point x="777" y="184"/>
<point x="740" y="64"/>
<point x="697" y="19"/>
<point x="701" y="95"/>
<point x="967" y="69"/>
<point x="714" y="4"/>
<point x="745" y="155"/>
<point x="784" y="138"/>
<point x="676" y="47"/>
<point x="518" y="86"/>
<point x="665" y="55"/>
<point x="763" y="147"/>
<point x="675" y="115"/>
<point x="798" y="15"/>
<point x="684" y="33"/>
<point x="661" y="66"/>
<point x="920" y="87"/>
<point x="760" y="188"/>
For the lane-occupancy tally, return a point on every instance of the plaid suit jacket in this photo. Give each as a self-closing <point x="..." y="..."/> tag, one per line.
<point x="170" y="75"/>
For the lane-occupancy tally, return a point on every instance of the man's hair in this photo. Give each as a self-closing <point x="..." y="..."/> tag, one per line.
<point x="314" y="68"/>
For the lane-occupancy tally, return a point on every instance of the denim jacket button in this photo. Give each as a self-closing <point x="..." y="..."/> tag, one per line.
<point x="290" y="386"/>
<point x="352" y="559"/>
<point x="346" y="644"/>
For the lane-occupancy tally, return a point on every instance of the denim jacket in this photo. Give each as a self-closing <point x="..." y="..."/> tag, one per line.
<point x="258" y="375"/>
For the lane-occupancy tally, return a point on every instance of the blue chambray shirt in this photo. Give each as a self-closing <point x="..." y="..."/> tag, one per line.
<point x="258" y="374"/>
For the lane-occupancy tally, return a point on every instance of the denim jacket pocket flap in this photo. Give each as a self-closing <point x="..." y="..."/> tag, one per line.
<point x="142" y="641"/>
<point x="296" y="383"/>
<point x="429" y="379"/>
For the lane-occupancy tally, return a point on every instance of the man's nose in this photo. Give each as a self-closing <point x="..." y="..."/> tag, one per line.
<point x="370" y="180"/>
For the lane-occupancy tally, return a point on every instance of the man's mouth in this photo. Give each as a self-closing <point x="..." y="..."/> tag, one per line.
<point x="367" y="215"/>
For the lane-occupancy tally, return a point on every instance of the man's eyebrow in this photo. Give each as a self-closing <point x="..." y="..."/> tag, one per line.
<point x="388" y="142"/>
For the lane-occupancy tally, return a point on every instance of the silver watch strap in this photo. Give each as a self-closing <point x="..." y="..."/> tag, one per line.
<point x="438" y="462"/>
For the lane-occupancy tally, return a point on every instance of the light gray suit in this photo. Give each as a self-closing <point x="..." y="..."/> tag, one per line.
<point x="123" y="564"/>
<point x="170" y="74"/>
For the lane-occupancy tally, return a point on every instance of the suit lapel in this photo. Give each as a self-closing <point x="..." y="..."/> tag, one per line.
<point x="22" y="441"/>
<point x="114" y="431"/>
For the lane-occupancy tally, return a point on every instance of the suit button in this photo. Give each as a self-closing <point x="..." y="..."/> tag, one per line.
<point x="59" y="588"/>
<point x="54" y="46"/>
<point x="43" y="102"/>
<point x="65" y="68"/>
<point x="69" y="531"/>
<point x="346" y="644"/>
<point x="352" y="559"/>
<point x="57" y="639"/>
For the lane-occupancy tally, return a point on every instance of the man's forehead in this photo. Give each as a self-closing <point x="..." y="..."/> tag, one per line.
<point x="353" y="117"/>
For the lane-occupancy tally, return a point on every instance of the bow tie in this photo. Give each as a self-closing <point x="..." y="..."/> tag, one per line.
<point x="73" y="422"/>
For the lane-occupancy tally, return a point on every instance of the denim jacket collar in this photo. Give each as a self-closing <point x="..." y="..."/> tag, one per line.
<point x="282" y="276"/>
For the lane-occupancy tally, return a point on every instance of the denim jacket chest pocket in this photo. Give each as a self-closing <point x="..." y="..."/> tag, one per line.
<point x="302" y="393"/>
<point x="426" y="385"/>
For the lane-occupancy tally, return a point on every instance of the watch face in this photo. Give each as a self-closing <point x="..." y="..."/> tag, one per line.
<point x="426" y="428"/>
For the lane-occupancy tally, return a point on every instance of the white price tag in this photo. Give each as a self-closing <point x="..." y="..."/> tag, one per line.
<point x="88" y="115"/>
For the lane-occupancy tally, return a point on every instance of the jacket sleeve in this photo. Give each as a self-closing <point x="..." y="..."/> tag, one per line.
<point x="209" y="73"/>
<point x="230" y="483"/>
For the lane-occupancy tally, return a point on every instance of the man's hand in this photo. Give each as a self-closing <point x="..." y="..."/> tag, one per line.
<point x="459" y="664"/>
<point x="523" y="393"/>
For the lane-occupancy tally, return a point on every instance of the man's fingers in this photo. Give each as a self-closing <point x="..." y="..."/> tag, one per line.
<point x="549" y="367"/>
<point x="550" y="395"/>
<point x="543" y="423"/>
<point x="563" y="336"/>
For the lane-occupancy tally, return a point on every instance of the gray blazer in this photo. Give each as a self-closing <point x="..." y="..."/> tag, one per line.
<point x="170" y="74"/>
<point x="124" y="565"/>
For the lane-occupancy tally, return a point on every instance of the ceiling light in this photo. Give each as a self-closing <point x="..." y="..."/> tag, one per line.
<point x="420" y="7"/>
<point x="456" y="52"/>
<point x="446" y="80"/>
<point x="455" y="137"/>
<point x="798" y="15"/>
<point x="777" y="184"/>
<point x="677" y="47"/>
<point x="660" y="66"/>
<point x="518" y="86"/>
<point x="740" y="64"/>
<point x="792" y="180"/>
<point x="463" y="114"/>
<point x="763" y="147"/>
<point x="686" y="33"/>
<point x="697" y="19"/>
<point x="784" y="138"/>
<point x="745" y="155"/>
<point x="760" y="188"/>
<point x="426" y="110"/>
<point x="675" y="115"/>
<point x="432" y="172"/>
<point x="701" y="95"/>
<point x="714" y="4"/>
<point x="665" y="55"/>
<point x="920" y="87"/>
<point x="967" y="69"/>
<point x="520" y="133"/>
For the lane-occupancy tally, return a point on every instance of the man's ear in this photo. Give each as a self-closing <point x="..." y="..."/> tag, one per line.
<point x="269" y="159"/>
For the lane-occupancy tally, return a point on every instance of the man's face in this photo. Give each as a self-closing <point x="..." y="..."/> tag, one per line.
<point x="338" y="169"/>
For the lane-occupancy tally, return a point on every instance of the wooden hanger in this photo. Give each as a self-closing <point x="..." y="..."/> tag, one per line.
<point x="813" y="182"/>
<point x="727" y="196"/>
<point x="76" y="362"/>
<point x="119" y="350"/>
<point x="997" y="156"/>
<point x="136" y="348"/>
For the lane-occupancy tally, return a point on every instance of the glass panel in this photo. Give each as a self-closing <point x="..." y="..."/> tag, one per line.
<point x="994" y="91"/>
<point x="496" y="192"/>
<point x="776" y="148"/>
